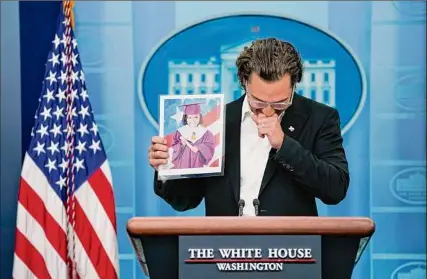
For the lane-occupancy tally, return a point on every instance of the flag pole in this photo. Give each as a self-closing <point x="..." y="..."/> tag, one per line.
<point x="68" y="6"/>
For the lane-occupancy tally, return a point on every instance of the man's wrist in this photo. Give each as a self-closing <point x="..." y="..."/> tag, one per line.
<point x="285" y="155"/>
<point x="281" y="143"/>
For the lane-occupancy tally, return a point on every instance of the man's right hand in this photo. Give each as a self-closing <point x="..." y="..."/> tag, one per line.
<point x="158" y="152"/>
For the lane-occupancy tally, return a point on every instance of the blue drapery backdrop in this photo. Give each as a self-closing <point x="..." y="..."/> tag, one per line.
<point x="385" y="145"/>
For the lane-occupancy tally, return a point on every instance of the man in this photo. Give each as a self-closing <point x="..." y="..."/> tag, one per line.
<point x="281" y="149"/>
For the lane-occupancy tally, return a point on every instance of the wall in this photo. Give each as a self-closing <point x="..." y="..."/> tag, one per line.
<point x="10" y="133"/>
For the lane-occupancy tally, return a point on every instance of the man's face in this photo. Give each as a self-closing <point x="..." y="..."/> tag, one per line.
<point x="269" y="97"/>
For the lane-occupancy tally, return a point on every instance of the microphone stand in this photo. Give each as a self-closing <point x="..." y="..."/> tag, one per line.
<point x="241" y="205"/>
<point x="256" y="206"/>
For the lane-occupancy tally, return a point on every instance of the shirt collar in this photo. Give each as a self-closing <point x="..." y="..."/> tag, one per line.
<point x="246" y="110"/>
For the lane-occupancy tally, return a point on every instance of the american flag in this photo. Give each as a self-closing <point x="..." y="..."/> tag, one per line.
<point x="66" y="220"/>
<point x="210" y="120"/>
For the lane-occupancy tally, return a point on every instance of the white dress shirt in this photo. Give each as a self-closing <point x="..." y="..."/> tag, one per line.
<point x="254" y="152"/>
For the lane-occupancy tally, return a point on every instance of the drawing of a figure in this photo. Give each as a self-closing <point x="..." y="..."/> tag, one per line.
<point x="193" y="145"/>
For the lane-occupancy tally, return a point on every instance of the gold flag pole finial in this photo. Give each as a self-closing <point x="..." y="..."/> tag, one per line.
<point x="68" y="10"/>
<point x="72" y="13"/>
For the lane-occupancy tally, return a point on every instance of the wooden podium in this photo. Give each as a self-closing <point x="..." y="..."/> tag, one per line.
<point x="249" y="247"/>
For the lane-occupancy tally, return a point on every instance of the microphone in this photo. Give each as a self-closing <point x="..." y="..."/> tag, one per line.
<point x="241" y="205"/>
<point x="256" y="206"/>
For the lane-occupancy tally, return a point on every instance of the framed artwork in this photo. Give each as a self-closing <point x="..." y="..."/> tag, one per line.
<point x="194" y="129"/>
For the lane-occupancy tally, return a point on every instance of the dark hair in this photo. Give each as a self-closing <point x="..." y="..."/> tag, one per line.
<point x="271" y="59"/>
<point x="184" y="119"/>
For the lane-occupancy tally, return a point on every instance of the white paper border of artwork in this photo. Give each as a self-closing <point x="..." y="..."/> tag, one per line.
<point x="206" y="171"/>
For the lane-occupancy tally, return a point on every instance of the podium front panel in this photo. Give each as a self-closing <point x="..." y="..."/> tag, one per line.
<point x="160" y="255"/>
<point x="250" y="256"/>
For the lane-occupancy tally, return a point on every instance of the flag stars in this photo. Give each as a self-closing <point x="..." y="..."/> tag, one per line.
<point x="65" y="148"/>
<point x="66" y="22"/>
<point x="49" y="95"/>
<point x="84" y="111"/>
<point x="39" y="148"/>
<point x="74" y="59"/>
<point x="46" y="113"/>
<point x="50" y="165"/>
<point x="63" y="120"/>
<point x="60" y="95"/>
<point x="74" y="94"/>
<point x="81" y="147"/>
<point x="84" y="94"/>
<point x="61" y="182"/>
<point x="95" y="146"/>
<point x="69" y="131"/>
<point x="94" y="128"/>
<point x="63" y="165"/>
<point x="73" y="112"/>
<point x="56" y="41"/>
<point x="42" y="131"/>
<point x="79" y="164"/>
<point x="83" y="130"/>
<point x="63" y="77"/>
<point x="54" y="59"/>
<point x="82" y="77"/>
<point x="64" y="40"/>
<point x="64" y="59"/>
<point x="56" y="130"/>
<point x="51" y="78"/>
<point x="74" y="76"/>
<point x="74" y="42"/>
<point x="53" y="148"/>
<point x="58" y="113"/>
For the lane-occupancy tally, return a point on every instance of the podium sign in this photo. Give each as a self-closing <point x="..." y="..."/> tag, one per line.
<point x="250" y="256"/>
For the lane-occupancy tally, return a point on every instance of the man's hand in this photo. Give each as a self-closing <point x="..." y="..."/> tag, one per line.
<point x="270" y="127"/>
<point x="158" y="152"/>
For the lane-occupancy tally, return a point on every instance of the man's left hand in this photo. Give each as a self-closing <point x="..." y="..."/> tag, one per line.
<point x="270" y="127"/>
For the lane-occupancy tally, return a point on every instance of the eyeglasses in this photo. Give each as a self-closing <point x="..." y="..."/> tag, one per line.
<point x="256" y="104"/>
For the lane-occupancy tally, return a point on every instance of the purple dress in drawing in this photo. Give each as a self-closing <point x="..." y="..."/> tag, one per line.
<point x="193" y="145"/>
<point x="183" y="157"/>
